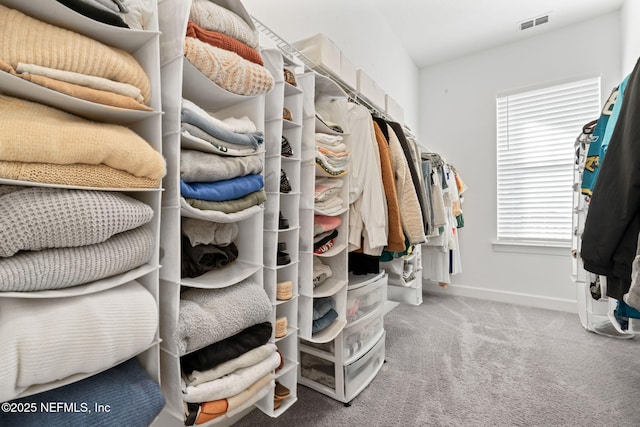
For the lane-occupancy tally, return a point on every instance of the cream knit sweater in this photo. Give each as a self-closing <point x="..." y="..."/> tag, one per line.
<point x="28" y="40"/>
<point x="58" y="137"/>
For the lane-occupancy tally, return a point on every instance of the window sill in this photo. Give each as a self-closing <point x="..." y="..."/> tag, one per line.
<point x="539" y="248"/>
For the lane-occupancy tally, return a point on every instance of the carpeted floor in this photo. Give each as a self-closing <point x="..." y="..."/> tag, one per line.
<point x="456" y="361"/>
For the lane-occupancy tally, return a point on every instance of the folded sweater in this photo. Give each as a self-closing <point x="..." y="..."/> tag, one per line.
<point x="227" y="69"/>
<point x="197" y="166"/>
<point x="219" y="191"/>
<point x="230" y="206"/>
<point x="202" y="232"/>
<point x="212" y="145"/>
<point x="60" y="268"/>
<point x="240" y="142"/>
<point x="61" y="138"/>
<point x="35" y="218"/>
<point x="230" y="124"/>
<point x="210" y="315"/>
<point x="44" y="340"/>
<point x="223" y="41"/>
<point x="214" y="127"/>
<point x="28" y="40"/>
<point x="211" y="16"/>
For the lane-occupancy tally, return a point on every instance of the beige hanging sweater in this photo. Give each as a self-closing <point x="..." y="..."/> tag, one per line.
<point x="28" y="40"/>
<point x="36" y="133"/>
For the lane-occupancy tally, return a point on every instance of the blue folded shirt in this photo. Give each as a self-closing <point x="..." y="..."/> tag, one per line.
<point x="220" y="191"/>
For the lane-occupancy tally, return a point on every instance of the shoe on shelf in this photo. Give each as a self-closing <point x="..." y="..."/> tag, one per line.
<point x="281" y="327"/>
<point x="285" y="185"/>
<point x="283" y="223"/>
<point x="281" y="392"/>
<point x="289" y="77"/>
<point x="285" y="147"/>
<point x="283" y="258"/>
<point x="286" y="114"/>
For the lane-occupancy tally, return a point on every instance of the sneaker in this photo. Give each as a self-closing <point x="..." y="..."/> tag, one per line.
<point x="285" y="185"/>
<point x="285" y="147"/>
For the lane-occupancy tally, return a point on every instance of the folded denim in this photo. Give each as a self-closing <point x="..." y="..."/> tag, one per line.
<point x="211" y="127"/>
<point x="220" y="191"/>
<point x="324" y="321"/>
<point x="321" y="306"/>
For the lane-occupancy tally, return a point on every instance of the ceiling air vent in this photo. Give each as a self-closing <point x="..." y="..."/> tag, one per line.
<point x="534" y="22"/>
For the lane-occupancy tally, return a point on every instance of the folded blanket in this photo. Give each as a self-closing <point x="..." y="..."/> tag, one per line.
<point x="335" y="163"/>
<point x="230" y="124"/>
<point x="210" y="16"/>
<point x="249" y="358"/>
<point x="202" y="232"/>
<point x="93" y="82"/>
<point x="219" y="191"/>
<point x="97" y="11"/>
<point x="323" y="193"/>
<point x="324" y="223"/>
<point x="321" y="306"/>
<point x="323" y="239"/>
<point x="333" y="155"/>
<point x="55" y="47"/>
<point x="223" y="41"/>
<point x="211" y="126"/>
<point x="44" y="340"/>
<point x="233" y="383"/>
<point x="196" y="166"/>
<point x="227" y="349"/>
<point x="230" y="206"/>
<point x="321" y="272"/>
<point x="248" y="140"/>
<point x="239" y="402"/>
<point x="76" y="175"/>
<point x="35" y="218"/>
<point x="323" y="322"/>
<point x="210" y="315"/>
<point x="140" y="14"/>
<point x="200" y="259"/>
<point x="124" y="387"/>
<point x="212" y="146"/>
<point x="189" y="211"/>
<point x="227" y="69"/>
<point x="330" y="204"/>
<point x="65" y="267"/>
<point x="61" y="138"/>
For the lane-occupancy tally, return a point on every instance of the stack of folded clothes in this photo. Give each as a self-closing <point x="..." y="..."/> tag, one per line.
<point x="60" y="148"/>
<point x="332" y="156"/>
<point x="226" y="358"/>
<point x="71" y="63"/>
<point x="325" y="231"/>
<point x="327" y="200"/>
<point x="207" y="246"/>
<point x="220" y="172"/>
<point x="321" y="272"/>
<point x="323" y="313"/>
<point x="222" y="46"/>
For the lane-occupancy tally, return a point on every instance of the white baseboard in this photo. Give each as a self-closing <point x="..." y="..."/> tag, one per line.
<point x="558" y="304"/>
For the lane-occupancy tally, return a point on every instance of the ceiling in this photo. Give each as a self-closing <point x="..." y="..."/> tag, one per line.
<point x="433" y="31"/>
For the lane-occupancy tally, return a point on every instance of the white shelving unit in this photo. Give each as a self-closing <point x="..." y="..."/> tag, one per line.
<point x="144" y="46"/>
<point x="284" y="95"/>
<point x="180" y="79"/>
<point x="405" y="290"/>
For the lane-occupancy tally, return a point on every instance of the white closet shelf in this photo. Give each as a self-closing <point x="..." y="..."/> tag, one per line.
<point x="75" y="187"/>
<point x="15" y="86"/>
<point x="328" y="288"/>
<point x="290" y="331"/>
<point x="224" y="277"/>
<point x="288" y="124"/>
<point x="287" y="366"/>
<point x="291" y="159"/>
<point x="321" y="127"/>
<point x="338" y="213"/>
<point x="317" y="352"/>
<point x="330" y="332"/>
<point x="57" y="14"/>
<point x="290" y="89"/>
<point x="282" y="230"/>
<point x="87" y="288"/>
<point x="198" y="88"/>
<point x="281" y="302"/>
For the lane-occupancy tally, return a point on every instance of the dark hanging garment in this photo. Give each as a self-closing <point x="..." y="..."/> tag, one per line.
<point x="383" y="126"/>
<point x="613" y="221"/>
<point x="415" y="178"/>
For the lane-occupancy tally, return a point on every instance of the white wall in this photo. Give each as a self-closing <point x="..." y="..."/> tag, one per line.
<point x="359" y="31"/>
<point x="630" y="16"/>
<point x="458" y="120"/>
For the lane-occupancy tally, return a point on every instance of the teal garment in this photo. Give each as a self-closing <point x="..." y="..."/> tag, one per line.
<point x="599" y="141"/>
<point x="387" y="256"/>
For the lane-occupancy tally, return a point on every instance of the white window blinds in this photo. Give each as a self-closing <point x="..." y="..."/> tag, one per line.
<point x="536" y="133"/>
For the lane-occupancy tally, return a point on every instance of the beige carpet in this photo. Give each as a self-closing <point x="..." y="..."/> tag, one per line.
<point x="458" y="361"/>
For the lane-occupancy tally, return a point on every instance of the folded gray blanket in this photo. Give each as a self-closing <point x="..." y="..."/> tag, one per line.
<point x="197" y="166"/>
<point x="210" y="315"/>
<point x="35" y="218"/>
<point x="65" y="267"/>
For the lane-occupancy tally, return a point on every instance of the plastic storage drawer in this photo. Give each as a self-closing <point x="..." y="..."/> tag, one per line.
<point x="318" y="370"/>
<point x="360" y="373"/>
<point x="360" y="337"/>
<point x="366" y="299"/>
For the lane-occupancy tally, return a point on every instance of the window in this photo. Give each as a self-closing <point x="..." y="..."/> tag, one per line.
<point x="536" y="131"/>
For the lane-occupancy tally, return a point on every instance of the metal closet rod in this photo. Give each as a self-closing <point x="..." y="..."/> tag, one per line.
<point x="295" y="56"/>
